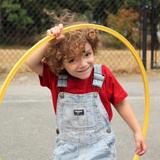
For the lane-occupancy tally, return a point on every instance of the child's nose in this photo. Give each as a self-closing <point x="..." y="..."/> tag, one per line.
<point x="82" y="62"/>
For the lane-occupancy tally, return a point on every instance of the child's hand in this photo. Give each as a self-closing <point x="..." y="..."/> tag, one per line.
<point x="141" y="146"/>
<point x="57" y="32"/>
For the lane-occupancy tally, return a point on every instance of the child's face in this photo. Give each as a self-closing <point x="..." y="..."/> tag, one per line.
<point x="80" y="66"/>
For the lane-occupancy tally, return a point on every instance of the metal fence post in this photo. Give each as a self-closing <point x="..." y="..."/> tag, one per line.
<point x="0" y="21"/>
<point x="144" y="34"/>
<point x="154" y="40"/>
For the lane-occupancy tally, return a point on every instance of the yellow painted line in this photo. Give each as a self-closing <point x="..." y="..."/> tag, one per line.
<point x="98" y="27"/>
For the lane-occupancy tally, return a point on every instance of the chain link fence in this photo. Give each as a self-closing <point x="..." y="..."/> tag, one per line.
<point x="23" y="23"/>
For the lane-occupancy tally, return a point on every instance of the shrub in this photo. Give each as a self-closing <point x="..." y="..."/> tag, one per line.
<point x="126" y="22"/>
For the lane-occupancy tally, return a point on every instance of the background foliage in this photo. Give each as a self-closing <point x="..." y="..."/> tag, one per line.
<point x="29" y="18"/>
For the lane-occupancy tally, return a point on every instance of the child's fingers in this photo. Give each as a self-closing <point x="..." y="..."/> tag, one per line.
<point x="140" y="152"/>
<point x="51" y="32"/>
<point x="61" y="26"/>
<point x="48" y="32"/>
<point x="59" y="39"/>
<point x="138" y="147"/>
<point x="141" y="148"/>
<point x="55" y="31"/>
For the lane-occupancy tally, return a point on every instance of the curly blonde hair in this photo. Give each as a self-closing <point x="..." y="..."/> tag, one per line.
<point x="72" y="44"/>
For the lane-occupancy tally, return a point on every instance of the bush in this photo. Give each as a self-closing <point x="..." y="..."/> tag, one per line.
<point x="126" y="22"/>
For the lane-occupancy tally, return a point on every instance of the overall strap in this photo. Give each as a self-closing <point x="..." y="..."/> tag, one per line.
<point x="98" y="77"/>
<point x="62" y="80"/>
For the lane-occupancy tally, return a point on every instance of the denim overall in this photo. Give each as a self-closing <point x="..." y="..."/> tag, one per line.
<point x="83" y="127"/>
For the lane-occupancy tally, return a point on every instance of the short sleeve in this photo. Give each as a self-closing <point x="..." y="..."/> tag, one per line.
<point x="115" y="91"/>
<point x="47" y="78"/>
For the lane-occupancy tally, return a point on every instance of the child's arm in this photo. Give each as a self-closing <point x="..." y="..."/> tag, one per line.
<point x="126" y="112"/>
<point x="34" y="61"/>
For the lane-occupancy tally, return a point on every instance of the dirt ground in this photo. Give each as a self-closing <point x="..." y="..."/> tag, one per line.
<point x="121" y="62"/>
<point x="116" y="60"/>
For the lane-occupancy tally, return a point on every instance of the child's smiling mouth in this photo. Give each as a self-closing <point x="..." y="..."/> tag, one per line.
<point x="84" y="70"/>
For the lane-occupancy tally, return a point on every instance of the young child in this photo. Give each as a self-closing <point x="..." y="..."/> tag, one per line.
<point x="82" y="92"/>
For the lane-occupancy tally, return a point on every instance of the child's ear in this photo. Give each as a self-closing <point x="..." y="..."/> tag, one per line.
<point x="62" y="67"/>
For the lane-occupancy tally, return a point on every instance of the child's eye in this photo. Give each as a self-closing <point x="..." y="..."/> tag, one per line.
<point x="70" y="60"/>
<point x="87" y="54"/>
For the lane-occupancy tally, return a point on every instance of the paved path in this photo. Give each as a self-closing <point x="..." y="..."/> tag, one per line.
<point x="27" y="123"/>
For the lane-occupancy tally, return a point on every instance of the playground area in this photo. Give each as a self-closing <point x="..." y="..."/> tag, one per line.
<point x="27" y="128"/>
<point x="27" y="119"/>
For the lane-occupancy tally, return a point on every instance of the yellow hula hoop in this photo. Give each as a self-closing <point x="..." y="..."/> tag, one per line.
<point x="21" y="61"/>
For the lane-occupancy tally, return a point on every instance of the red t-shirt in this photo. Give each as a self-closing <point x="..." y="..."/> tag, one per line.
<point x="111" y="91"/>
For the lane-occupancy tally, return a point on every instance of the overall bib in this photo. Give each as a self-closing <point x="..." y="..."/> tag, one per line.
<point x="83" y="127"/>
